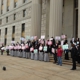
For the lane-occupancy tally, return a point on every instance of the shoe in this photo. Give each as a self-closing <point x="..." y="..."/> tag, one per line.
<point x="54" y="62"/>
<point x="73" y="69"/>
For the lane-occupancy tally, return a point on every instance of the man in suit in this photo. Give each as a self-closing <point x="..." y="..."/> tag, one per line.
<point x="73" y="56"/>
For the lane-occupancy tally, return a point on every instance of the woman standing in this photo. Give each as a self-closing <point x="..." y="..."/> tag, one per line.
<point x="41" y="55"/>
<point x="46" y="53"/>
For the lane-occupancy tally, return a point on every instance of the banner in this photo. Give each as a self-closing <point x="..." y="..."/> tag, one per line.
<point x="57" y="38"/>
<point x="35" y="51"/>
<point x="65" y="47"/>
<point x="28" y="37"/>
<point x="22" y="39"/>
<point x="45" y="48"/>
<point x="43" y="37"/>
<point x="13" y="42"/>
<point x="63" y="36"/>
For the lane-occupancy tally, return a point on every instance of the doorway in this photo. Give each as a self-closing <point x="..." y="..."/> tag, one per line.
<point x="75" y="18"/>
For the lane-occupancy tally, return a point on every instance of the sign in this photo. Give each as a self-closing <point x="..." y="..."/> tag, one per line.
<point x="32" y="38"/>
<point x="63" y="36"/>
<point x="43" y="37"/>
<point x="13" y="42"/>
<point x="35" y="37"/>
<point x="35" y="51"/>
<point x="51" y="39"/>
<point x="50" y="43"/>
<point x="65" y="46"/>
<point x="45" y="48"/>
<point x="57" y="38"/>
<point x="28" y="37"/>
<point x="40" y="48"/>
<point x="22" y="39"/>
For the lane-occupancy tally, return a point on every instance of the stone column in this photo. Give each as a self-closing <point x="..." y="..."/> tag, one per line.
<point x="11" y="4"/>
<point x="36" y="18"/>
<point x="79" y="18"/>
<point x="47" y="17"/>
<point x="0" y="7"/>
<point x="4" y="6"/>
<point x="55" y="25"/>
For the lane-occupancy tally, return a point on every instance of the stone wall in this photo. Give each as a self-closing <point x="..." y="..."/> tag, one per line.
<point x="45" y="18"/>
<point x="17" y="23"/>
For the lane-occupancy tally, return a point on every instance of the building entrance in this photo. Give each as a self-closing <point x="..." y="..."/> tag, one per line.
<point x="76" y="18"/>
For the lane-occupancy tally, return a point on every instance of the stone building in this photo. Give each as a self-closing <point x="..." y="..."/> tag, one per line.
<point x="38" y="17"/>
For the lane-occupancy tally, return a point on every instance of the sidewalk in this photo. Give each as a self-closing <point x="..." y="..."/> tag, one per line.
<point x="25" y="69"/>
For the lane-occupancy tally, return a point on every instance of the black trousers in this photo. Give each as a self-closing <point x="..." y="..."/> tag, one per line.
<point x="78" y="59"/>
<point x="55" y="57"/>
<point x="66" y="55"/>
<point x="1" y="52"/>
<point x="7" y="52"/>
<point x="74" y="63"/>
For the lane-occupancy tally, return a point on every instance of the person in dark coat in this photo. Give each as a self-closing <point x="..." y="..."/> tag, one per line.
<point x="73" y="56"/>
<point x="78" y="54"/>
<point x="2" y="49"/>
<point x="7" y="50"/>
<point x="46" y="54"/>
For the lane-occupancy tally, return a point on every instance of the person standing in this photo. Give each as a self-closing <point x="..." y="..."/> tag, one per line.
<point x="78" y="53"/>
<point x="73" y="56"/>
<point x="66" y="51"/>
<point x="2" y="50"/>
<point x="7" y="50"/>
<point x="59" y="55"/>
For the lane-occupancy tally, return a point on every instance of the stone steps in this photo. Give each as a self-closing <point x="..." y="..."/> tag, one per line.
<point x="67" y="62"/>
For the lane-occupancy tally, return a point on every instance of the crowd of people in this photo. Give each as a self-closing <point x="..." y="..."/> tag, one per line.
<point x="40" y="49"/>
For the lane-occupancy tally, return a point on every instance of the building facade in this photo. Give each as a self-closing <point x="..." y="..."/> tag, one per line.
<point x="21" y="18"/>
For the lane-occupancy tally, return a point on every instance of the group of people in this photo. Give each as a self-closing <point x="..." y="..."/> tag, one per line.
<point x="40" y="49"/>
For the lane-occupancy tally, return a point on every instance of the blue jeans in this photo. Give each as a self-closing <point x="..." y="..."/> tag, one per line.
<point x="59" y="61"/>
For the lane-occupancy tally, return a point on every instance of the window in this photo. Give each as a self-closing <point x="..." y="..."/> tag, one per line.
<point x="1" y="11"/>
<point x="24" y="13"/>
<point x="8" y="4"/>
<point x="15" y="3"/>
<point x="0" y="21"/>
<point x="0" y="32"/>
<point x="6" y="19"/>
<point x="23" y="27"/>
<point x="13" y="30"/>
<point x="14" y="16"/>
<point x="2" y="7"/>
<point x="13" y="33"/>
<point x="13" y="39"/>
<point x="5" y="31"/>
<point x="24" y="1"/>
<point x="23" y="30"/>
<point x="5" y="41"/>
<point x="7" y="8"/>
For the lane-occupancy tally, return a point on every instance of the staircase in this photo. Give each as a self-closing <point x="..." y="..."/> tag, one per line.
<point x="67" y="62"/>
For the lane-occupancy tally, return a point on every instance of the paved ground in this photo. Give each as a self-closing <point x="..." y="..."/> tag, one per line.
<point x="24" y="69"/>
